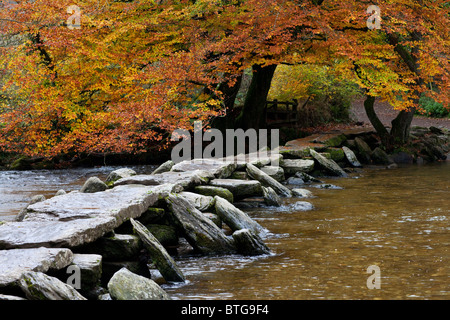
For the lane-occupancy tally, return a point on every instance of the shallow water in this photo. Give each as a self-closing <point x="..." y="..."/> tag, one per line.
<point x="396" y="219"/>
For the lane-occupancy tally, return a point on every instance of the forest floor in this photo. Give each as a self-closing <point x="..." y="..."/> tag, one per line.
<point x="385" y="113"/>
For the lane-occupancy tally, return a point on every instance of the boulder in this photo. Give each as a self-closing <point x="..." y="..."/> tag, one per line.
<point x="235" y="218"/>
<point x="114" y="247"/>
<point x="90" y="266"/>
<point x="60" y="193"/>
<point x="240" y="175"/>
<point x="214" y="218"/>
<point x="239" y="188"/>
<point x="92" y="185"/>
<point x="307" y="178"/>
<point x="154" y="216"/>
<point x="351" y="157"/>
<point x="364" y="150"/>
<point x="125" y="285"/>
<point x="271" y="198"/>
<point x="328" y="164"/>
<point x="215" y="191"/>
<point x="139" y="267"/>
<point x="13" y="263"/>
<point x="37" y="198"/>
<point x="165" y="167"/>
<point x="249" y="244"/>
<point x="267" y="181"/>
<point x="201" y="202"/>
<point x="119" y="174"/>
<point x="295" y="181"/>
<point x="274" y="172"/>
<point x="292" y="166"/>
<point x="220" y="169"/>
<point x="379" y="156"/>
<point x="335" y="154"/>
<point x="39" y="286"/>
<point x="166" y="235"/>
<point x="301" y="193"/>
<point x="162" y="260"/>
<point x="201" y="233"/>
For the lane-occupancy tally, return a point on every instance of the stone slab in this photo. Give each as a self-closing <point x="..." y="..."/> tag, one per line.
<point x="13" y="263"/>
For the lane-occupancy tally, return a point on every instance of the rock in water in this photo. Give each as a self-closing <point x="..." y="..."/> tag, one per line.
<point x="351" y="157"/>
<point x="302" y="193"/>
<point x="247" y="243"/>
<point x="270" y="197"/>
<point x="379" y="156"/>
<point x="201" y="202"/>
<point x="364" y="150"/>
<point x="274" y="172"/>
<point x="267" y="181"/>
<point x="165" y="167"/>
<point x="125" y="285"/>
<point x="39" y="286"/>
<point x="15" y="262"/>
<point x="220" y="169"/>
<point x="292" y="166"/>
<point x="215" y="191"/>
<point x="235" y="218"/>
<point x="93" y="185"/>
<point x="201" y="233"/>
<point x="163" y="261"/>
<point x="239" y="188"/>
<point x="119" y="174"/>
<point x="328" y="164"/>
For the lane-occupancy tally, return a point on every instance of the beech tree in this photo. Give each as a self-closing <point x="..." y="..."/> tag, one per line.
<point x="134" y="71"/>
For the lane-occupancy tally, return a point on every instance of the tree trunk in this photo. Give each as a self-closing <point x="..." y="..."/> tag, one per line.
<point x="401" y="126"/>
<point x="375" y="121"/>
<point x="252" y="115"/>
<point x="229" y="97"/>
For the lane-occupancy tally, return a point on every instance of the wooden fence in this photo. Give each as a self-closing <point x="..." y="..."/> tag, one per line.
<point x="279" y="112"/>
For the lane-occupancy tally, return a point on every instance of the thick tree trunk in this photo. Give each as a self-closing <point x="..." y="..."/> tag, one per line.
<point x="252" y="115"/>
<point x="401" y="126"/>
<point x="375" y="121"/>
<point x="229" y="97"/>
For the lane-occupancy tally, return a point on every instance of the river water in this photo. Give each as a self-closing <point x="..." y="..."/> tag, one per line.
<point x="398" y="220"/>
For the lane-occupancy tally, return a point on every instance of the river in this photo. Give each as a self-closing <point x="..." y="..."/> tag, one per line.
<point x="398" y="220"/>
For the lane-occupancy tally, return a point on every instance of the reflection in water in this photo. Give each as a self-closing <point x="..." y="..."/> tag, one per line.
<point x="395" y="219"/>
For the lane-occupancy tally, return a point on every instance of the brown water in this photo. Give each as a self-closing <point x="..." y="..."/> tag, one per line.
<point x="396" y="219"/>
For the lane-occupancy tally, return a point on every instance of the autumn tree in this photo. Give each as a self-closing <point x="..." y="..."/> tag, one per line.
<point x="137" y="70"/>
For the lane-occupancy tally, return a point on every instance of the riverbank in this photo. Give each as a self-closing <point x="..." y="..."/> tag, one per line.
<point x="194" y="206"/>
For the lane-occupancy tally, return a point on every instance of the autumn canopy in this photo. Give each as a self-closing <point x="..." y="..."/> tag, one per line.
<point x="120" y="76"/>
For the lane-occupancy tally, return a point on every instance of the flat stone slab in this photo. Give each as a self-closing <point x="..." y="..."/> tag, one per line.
<point x="220" y="169"/>
<point x="180" y="180"/>
<point x="258" y="159"/>
<point x="77" y="218"/>
<point x="292" y="166"/>
<point x="54" y="234"/>
<point x="13" y="263"/>
<point x="239" y="188"/>
<point x="121" y="202"/>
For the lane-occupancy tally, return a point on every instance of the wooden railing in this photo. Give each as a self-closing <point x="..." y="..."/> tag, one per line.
<point x="279" y="112"/>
